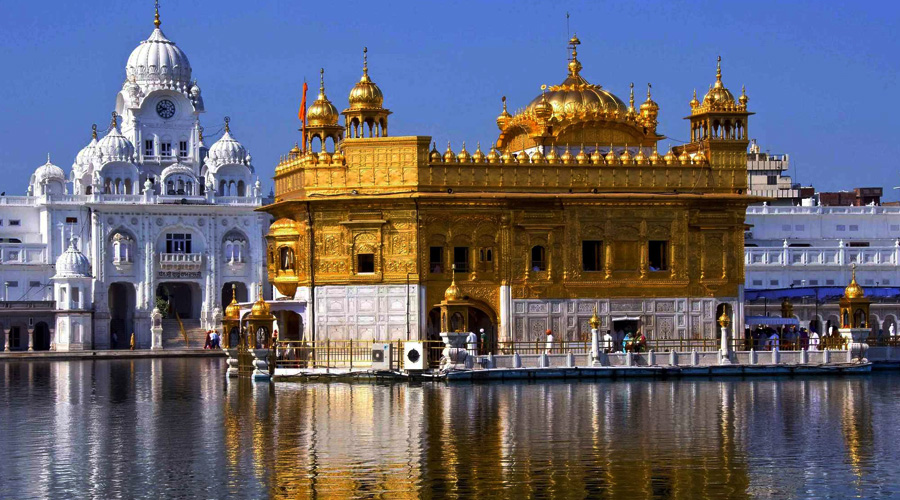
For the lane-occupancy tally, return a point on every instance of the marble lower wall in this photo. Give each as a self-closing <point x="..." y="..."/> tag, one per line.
<point x="367" y="312"/>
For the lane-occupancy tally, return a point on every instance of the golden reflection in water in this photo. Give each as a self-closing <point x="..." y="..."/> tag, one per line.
<point x="856" y="427"/>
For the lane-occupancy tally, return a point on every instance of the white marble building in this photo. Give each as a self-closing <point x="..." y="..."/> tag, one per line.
<point x="807" y="252"/>
<point x="157" y="217"/>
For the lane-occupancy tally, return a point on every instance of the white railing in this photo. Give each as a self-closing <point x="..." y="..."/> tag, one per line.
<point x="780" y="210"/>
<point x="179" y="258"/>
<point x="121" y="198"/>
<point x="243" y="201"/>
<point x="23" y="253"/>
<point x="822" y="256"/>
<point x="18" y="200"/>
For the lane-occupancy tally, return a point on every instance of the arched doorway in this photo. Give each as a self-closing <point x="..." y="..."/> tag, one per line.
<point x="179" y="297"/>
<point x="240" y="292"/>
<point x="290" y="325"/>
<point x="121" y="315"/>
<point x="41" y="340"/>
<point x="483" y="325"/>
<point x="18" y="339"/>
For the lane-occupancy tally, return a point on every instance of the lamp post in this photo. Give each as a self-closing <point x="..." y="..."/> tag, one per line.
<point x="724" y="321"/>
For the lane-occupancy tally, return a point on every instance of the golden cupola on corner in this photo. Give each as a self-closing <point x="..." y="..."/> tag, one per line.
<point x="366" y="116"/>
<point x="577" y="112"/>
<point x="322" y="119"/>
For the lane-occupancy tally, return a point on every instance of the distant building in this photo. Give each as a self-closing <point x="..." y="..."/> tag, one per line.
<point x="767" y="176"/>
<point x="857" y="198"/>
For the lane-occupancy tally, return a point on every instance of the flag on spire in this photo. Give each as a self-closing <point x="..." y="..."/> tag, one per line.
<point x="302" y="113"/>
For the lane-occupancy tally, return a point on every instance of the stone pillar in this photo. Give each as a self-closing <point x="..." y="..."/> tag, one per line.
<point x="4" y="334"/>
<point x="595" y="346"/>
<point x="30" y="338"/>
<point x="156" y="329"/>
<point x="856" y="343"/>
<point x="6" y="342"/>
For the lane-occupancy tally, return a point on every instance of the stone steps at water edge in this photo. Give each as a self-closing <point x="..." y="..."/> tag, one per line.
<point x="172" y="338"/>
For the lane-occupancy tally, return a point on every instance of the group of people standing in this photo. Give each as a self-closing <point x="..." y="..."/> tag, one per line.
<point x="212" y="340"/>
<point x="766" y="338"/>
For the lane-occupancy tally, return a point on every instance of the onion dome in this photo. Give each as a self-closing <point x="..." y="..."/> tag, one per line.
<point x="365" y="94"/>
<point x="522" y="157"/>
<point x="649" y="109"/>
<point x="537" y="156"/>
<point x="552" y="157"/>
<point x="434" y="156"/>
<point x="853" y="290"/>
<point x="625" y="157"/>
<point x="639" y="158"/>
<point x="493" y="156"/>
<point x="596" y="157"/>
<point x="504" y="117"/>
<point x="227" y="150"/>
<point x="48" y="171"/>
<point x="463" y="156"/>
<point x="670" y="157"/>
<point x="575" y="93"/>
<point x="322" y="112"/>
<point x="324" y="157"/>
<point x="566" y="157"/>
<point x="449" y="156"/>
<point x="699" y="158"/>
<point x="233" y="311"/>
<point x="683" y="158"/>
<point x="72" y="264"/>
<point x="718" y="94"/>
<point x="452" y="292"/>
<point x="743" y="98"/>
<point x="654" y="157"/>
<point x="295" y="151"/>
<point x="611" y="157"/>
<point x="478" y="155"/>
<point x="507" y="157"/>
<point x="337" y="157"/>
<point x="115" y="146"/>
<point x="581" y="157"/>
<point x="158" y="62"/>
<point x="542" y="110"/>
<point x="260" y="308"/>
<point x="86" y="155"/>
<point x="631" y="111"/>
<point x="694" y="102"/>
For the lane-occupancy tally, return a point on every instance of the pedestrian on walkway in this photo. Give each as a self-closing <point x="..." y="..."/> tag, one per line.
<point x="549" y="346"/>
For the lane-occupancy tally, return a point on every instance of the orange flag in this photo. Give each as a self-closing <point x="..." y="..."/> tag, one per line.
<point x="302" y="113"/>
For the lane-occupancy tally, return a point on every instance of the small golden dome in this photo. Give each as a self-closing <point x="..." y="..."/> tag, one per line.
<point x="504" y="117"/>
<point x="684" y="158"/>
<point x="670" y="157"/>
<point x="463" y="156"/>
<point x="285" y="227"/>
<point x="594" y="321"/>
<point x="542" y="110"/>
<point x="612" y="158"/>
<point x="452" y="292"/>
<point x="566" y="157"/>
<point x="699" y="158"/>
<point x="260" y="307"/>
<point x="625" y="157"/>
<point x="694" y="102"/>
<point x="522" y="157"/>
<point x="449" y="156"/>
<point x="853" y="290"/>
<point x="324" y="157"/>
<point x="581" y="157"/>
<point x="322" y="112"/>
<point x="493" y="156"/>
<point x="478" y="155"/>
<point x="537" y="156"/>
<point x="639" y="158"/>
<point x="654" y="157"/>
<point x="233" y="311"/>
<point x="596" y="157"/>
<point x="365" y="94"/>
<point x="507" y="157"/>
<point x="435" y="155"/>
<point x="743" y="98"/>
<point x="552" y="157"/>
<point x="295" y="151"/>
<point x="724" y="320"/>
<point x="718" y="94"/>
<point x="337" y="157"/>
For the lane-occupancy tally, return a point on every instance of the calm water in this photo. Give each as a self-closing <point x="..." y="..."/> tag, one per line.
<point x="177" y="428"/>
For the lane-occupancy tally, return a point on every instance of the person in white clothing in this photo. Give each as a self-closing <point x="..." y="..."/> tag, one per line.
<point x="607" y="342"/>
<point x="472" y="344"/>
<point x="773" y="341"/>
<point x="549" y="341"/>
<point x="891" y="331"/>
<point x="813" y="341"/>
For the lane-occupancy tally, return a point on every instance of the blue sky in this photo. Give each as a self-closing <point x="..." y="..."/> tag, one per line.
<point x="821" y="76"/>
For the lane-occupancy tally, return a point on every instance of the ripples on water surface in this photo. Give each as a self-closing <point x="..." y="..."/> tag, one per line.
<point x="176" y="428"/>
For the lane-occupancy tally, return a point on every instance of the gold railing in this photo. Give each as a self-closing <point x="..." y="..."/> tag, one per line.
<point x="344" y="353"/>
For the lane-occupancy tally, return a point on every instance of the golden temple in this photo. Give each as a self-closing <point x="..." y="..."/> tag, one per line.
<point x="572" y="209"/>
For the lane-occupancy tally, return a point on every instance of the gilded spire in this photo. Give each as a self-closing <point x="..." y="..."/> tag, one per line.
<point x="648" y="90"/>
<point x="156" y="21"/>
<point x="114" y="124"/>
<point x="719" y="72"/>
<point x="321" y="83"/>
<point x="227" y="127"/>
<point x="574" y="65"/>
<point x="631" y="97"/>
<point x="366" y="61"/>
<point x="94" y="131"/>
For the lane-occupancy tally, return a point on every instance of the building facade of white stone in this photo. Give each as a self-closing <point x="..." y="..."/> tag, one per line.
<point x="161" y="220"/>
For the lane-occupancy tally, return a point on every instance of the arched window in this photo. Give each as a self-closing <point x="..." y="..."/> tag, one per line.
<point x="240" y="188"/>
<point x="128" y="186"/>
<point x="287" y="258"/>
<point x="123" y="248"/>
<point x="538" y="258"/>
<point x="235" y="244"/>
<point x="170" y="187"/>
<point x="107" y="186"/>
<point x="221" y="188"/>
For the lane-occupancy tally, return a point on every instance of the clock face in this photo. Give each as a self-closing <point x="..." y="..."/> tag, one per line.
<point x="165" y="109"/>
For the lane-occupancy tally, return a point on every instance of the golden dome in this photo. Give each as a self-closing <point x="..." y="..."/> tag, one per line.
<point x="507" y="157"/>
<point x="322" y="112"/>
<point x="434" y="156"/>
<point x="611" y="157"/>
<point x="596" y="157"/>
<point x="639" y="158"/>
<point x="552" y="156"/>
<point x="295" y="151"/>
<point x="743" y="98"/>
<point x="566" y="157"/>
<point x="365" y="94"/>
<point x="233" y="311"/>
<point x="478" y="155"/>
<point x="337" y="157"/>
<point x="694" y="102"/>
<point x="625" y="157"/>
<point x="463" y="156"/>
<point x="449" y="156"/>
<point x="853" y="290"/>
<point x="522" y="157"/>
<point x="670" y="157"/>
<point x="452" y="292"/>
<point x="537" y="157"/>
<point x="724" y="320"/>
<point x="594" y="321"/>
<point x="649" y="109"/>
<point x="581" y="158"/>
<point x="542" y="110"/>
<point x="285" y="227"/>
<point x="699" y="158"/>
<point x="493" y="156"/>
<point x="260" y="308"/>
<point x="718" y="94"/>
<point x="504" y="117"/>
<point x="684" y="158"/>
<point x="654" y="157"/>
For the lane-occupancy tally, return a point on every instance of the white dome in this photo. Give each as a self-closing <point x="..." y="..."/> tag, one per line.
<point x="85" y="156"/>
<point x="49" y="171"/>
<point x="72" y="264"/>
<point x="159" y="62"/>
<point x="226" y="151"/>
<point x="115" y="146"/>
